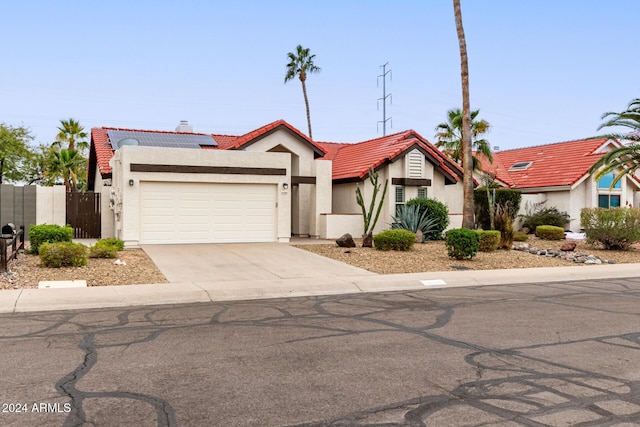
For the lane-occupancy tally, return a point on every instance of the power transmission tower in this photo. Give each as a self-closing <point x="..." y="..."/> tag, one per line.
<point x="384" y="98"/>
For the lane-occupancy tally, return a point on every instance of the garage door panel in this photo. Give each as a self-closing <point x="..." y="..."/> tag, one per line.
<point x="207" y="213"/>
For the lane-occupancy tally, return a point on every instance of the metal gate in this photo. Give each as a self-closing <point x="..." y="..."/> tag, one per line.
<point x="83" y="214"/>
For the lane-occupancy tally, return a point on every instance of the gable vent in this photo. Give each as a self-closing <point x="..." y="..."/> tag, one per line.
<point x="415" y="164"/>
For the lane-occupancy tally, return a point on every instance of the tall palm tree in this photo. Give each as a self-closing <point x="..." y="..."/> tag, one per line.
<point x="626" y="159"/>
<point x="67" y="165"/>
<point x="467" y="162"/>
<point x="449" y="137"/>
<point x="300" y="64"/>
<point x="73" y="134"/>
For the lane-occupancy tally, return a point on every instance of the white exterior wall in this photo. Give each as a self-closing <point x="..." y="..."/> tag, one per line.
<point x="333" y="226"/>
<point x="127" y="211"/>
<point x="51" y="205"/>
<point x="320" y="196"/>
<point x="344" y="202"/>
<point x="344" y="199"/>
<point x="344" y="196"/>
<point x="451" y="195"/>
<point x="302" y="164"/>
<point x="107" y="218"/>
<point x="584" y="194"/>
<point x="106" y="213"/>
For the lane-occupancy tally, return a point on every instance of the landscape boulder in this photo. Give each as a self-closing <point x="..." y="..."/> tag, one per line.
<point x="568" y="247"/>
<point x="346" y="241"/>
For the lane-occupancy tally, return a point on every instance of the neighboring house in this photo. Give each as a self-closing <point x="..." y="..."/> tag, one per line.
<point x="559" y="174"/>
<point x="264" y="186"/>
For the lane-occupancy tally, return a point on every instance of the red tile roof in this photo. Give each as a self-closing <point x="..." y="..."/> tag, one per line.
<point x="100" y="143"/>
<point x="104" y="152"/>
<point x="224" y="141"/>
<point x="350" y="161"/>
<point x="558" y="164"/>
<point x="256" y="134"/>
<point x="353" y="161"/>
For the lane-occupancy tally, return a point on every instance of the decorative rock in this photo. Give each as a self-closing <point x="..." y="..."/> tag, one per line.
<point x="419" y="236"/>
<point x="567" y="255"/>
<point x="346" y="241"/>
<point x="568" y="247"/>
<point x="367" y="240"/>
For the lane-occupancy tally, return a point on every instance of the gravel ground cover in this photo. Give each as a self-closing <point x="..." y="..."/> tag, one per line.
<point x="26" y="272"/>
<point x="432" y="256"/>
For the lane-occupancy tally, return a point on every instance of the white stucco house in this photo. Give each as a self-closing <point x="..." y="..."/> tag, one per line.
<point x="272" y="183"/>
<point x="558" y="174"/>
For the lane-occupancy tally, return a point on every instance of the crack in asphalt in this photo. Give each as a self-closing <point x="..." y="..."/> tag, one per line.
<point x="509" y="385"/>
<point x="165" y="414"/>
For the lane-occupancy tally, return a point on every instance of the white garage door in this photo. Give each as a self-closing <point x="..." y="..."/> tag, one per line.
<point x="177" y="212"/>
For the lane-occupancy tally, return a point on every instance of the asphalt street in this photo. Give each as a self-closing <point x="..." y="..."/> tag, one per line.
<point x="552" y="354"/>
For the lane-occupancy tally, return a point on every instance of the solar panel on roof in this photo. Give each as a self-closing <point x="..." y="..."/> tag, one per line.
<point x="161" y="139"/>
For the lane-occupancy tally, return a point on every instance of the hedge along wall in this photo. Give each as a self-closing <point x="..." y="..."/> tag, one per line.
<point x="503" y="196"/>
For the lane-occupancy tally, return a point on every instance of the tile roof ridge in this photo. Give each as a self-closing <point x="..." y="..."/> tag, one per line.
<point x="150" y="131"/>
<point x="368" y="140"/>
<point x="224" y="135"/>
<point x="334" y="143"/>
<point x="591" y="138"/>
<point x="396" y="134"/>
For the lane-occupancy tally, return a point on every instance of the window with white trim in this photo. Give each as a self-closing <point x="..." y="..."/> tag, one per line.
<point x="422" y="192"/>
<point x="608" y="200"/>
<point x="608" y="195"/>
<point x="399" y="197"/>
<point x="606" y="180"/>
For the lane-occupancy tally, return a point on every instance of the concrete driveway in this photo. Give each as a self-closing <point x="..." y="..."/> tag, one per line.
<point x="245" y="262"/>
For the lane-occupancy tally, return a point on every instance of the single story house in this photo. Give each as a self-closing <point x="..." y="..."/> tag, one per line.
<point x="181" y="186"/>
<point x="558" y="174"/>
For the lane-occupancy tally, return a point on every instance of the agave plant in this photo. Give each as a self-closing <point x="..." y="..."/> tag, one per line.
<point x="409" y="218"/>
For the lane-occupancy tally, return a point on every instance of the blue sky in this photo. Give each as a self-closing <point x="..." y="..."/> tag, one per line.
<point x="540" y="71"/>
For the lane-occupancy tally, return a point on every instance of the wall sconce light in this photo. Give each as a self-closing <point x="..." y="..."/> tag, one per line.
<point x="285" y="185"/>
<point x="130" y="183"/>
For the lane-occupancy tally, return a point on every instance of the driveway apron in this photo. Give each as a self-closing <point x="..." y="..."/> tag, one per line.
<point x="244" y="262"/>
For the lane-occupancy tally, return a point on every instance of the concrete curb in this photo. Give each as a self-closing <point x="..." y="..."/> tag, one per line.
<point x="30" y="300"/>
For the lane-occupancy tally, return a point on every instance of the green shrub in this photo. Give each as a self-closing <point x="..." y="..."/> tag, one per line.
<point x="613" y="228"/>
<point x="118" y="243"/>
<point x="550" y="232"/>
<point x="436" y="211"/>
<point x="503" y="196"/>
<point x="519" y="236"/>
<point x="52" y="233"/>
<point x="410" y="218"/>
<point x="64" y="254"/>
<point x="462" y="243"/>
<point x="104" y="249"/>
<point x="537" y="214"/>
<point x="489" y="240"/>
<point x="397" y="240"/>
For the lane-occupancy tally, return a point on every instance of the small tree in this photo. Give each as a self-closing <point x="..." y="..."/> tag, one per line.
<point x="369" y="225"/>
<point x="14" y="152"/>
